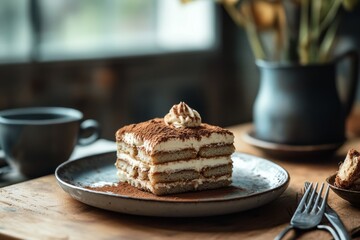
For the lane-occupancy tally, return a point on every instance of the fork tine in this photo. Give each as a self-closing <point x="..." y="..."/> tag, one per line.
<point x="316" y="203"/>
<point x="304" y="220"/>
<point x="322" y="208"/>
<point x="309" y="205"/>
<point x="303" y="199"/>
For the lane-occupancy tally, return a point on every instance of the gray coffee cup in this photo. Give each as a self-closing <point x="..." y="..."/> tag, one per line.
<point x="36" y="140"/>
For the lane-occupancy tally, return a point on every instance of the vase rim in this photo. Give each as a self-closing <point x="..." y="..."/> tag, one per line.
<point x="274" y="64"/>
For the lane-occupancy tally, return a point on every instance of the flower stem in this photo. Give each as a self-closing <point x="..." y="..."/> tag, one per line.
<point x="315" y="33"/>
<point x="250" y="28"/>
<point x="328" y="41"/>
<point x="330" y="16"/>
<point x="303" y="47"/>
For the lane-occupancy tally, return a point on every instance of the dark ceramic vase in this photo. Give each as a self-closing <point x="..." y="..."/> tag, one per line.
<point x="300" y="104"/>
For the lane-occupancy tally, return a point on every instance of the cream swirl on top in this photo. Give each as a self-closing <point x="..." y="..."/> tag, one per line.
<point x="182" y="116"/>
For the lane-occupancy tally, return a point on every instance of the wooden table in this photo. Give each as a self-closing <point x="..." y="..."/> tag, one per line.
<point x="40" y="209"/>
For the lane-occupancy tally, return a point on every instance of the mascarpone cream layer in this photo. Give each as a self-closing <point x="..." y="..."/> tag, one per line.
<point x="196" y="164"/>
<point x="125" y="177"/>
<point x="178" y="144"/>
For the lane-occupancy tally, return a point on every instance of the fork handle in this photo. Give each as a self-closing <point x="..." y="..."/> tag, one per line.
<point x="330" y="230"/>
<point x="284" y="232"/>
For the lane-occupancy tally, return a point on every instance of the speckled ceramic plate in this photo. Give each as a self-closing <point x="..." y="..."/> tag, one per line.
<point x="256" y="181"/>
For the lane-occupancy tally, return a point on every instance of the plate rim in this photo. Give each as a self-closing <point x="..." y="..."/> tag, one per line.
<point x="284" y="185"/>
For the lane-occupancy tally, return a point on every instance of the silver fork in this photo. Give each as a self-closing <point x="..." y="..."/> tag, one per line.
<point x="340" y="231"/>
<point x="308" y="213"/>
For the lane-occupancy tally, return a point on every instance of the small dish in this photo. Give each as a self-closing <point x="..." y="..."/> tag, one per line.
<point x="351" y="196"/>
<point x="291" y="151"/>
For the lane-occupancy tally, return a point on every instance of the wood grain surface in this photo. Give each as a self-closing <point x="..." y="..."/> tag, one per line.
<point x="40" y="209"/>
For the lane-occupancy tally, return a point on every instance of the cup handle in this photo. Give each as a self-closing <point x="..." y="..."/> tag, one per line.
<point x="5" y="170"/>
<point x="4" y="166"/>
<point x="353" y="56"/>
<point x="92" y="126"/>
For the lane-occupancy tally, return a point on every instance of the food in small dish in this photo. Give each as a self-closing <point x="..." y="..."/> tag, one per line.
<point x="174" y="154"/>
<point x="348" y="176"/>
<point x="349" y="195"/>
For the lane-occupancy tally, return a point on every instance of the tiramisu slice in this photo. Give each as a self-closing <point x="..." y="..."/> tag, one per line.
<point x="174" y="154"/>
<point x="348" y="176"/>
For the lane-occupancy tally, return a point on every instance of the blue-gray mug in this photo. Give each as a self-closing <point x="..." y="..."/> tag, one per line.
<point x="36" y="140"/>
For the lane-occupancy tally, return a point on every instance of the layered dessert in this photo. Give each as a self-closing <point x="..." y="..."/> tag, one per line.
<point x="174" y="154"/>
<point x="348" y="176"/>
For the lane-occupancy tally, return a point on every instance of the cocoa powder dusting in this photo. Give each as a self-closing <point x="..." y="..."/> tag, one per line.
<point x="156" y="131"/>
<point x="126" y="190"/>
<point x="123" y="189"/>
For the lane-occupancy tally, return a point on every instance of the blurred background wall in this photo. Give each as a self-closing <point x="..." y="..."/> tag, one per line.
<point x="126" y="61"/>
